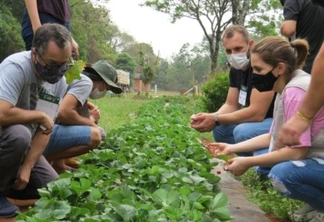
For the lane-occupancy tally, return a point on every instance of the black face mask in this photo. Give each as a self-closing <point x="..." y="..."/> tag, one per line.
<point x="264" y="83"/>
<point x="318" y="2"/>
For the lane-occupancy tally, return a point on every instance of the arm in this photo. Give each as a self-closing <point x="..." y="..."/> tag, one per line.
<point x="312" y="102"/>
<point x="288" y="28"/>
<point x="259" y="105"/>
<point x="314" y="98"/>
<point x="250" y="145"/>
<point x="231" y="104"/>
<point x="32" y="10"/>
<point x="10" y="115"/>
<point x="37" y="147"/>
<point x="67" y="113"/>
<point x="204" y="122"/>
<point x="239" y="165"/>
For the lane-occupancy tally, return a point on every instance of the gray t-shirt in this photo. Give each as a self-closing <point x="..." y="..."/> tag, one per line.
<point x="20" y="86"/>
<point x="81" y="89"/>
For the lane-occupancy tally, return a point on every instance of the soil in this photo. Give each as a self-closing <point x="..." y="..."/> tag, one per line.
<point x="274" y="219"/>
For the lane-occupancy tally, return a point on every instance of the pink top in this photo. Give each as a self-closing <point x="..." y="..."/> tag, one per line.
<point x="292" y="100"/>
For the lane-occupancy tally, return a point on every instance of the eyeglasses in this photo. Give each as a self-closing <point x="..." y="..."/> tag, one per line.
<point x="63" y="66"/>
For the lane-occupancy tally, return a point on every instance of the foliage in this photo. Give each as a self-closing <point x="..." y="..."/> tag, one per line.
<point x="125" y="62"/>
<point x="10" y="42"/>
<point x="151" y="170"/>
<point x="148" y="67"/>
<point x="91" y="29"/>
<point x="214" y="16"/>
<point x="117" y="111"/>
<point x="210" y="15"/>
<point x="74" y="71"/>
<point x="266" y="197"/>
<point x="215" y="92"/>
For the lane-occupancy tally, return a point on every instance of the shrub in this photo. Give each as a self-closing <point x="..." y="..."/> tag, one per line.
<point x="216" y="92"/>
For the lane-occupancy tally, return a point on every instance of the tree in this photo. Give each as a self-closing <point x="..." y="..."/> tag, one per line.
<point x="208" y="13"/>
<point x="215" y="15"/>
<point x="125" y="62"/>
<point x="91" y="28"/>
<point x="10" y="38"/>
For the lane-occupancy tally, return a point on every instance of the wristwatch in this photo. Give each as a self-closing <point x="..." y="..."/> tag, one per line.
<point x="216" y="119"/>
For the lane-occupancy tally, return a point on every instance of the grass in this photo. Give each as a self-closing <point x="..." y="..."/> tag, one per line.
<point x="117" y="111"/>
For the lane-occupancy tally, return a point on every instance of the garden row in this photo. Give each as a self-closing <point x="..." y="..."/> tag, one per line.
<point x="153" y="169"/>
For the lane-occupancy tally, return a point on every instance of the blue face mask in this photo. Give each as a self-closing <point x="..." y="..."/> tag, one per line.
<point x="51" y="74"/>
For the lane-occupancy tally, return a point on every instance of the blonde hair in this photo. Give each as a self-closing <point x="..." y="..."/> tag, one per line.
<point x="275" y="49"/>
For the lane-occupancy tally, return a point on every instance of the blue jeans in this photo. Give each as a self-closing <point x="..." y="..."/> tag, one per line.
<point x="302" y="180"/>
<point x="67" y="136"/>
<point x="27" y="30"/>
<point x="238" y="133"/>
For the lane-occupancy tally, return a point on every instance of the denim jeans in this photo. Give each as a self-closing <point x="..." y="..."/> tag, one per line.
<point x="302" y="180"/>
<point x="238" y="133"/>
<point x="67" y="136"/>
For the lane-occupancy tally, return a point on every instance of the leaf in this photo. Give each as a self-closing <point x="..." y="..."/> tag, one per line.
<point x="74" y="71"/>
<point x="222" y="213"/>
<point x="223" y="157"/>
<point x="127" y="212"/>
<point x="220" y="200"/>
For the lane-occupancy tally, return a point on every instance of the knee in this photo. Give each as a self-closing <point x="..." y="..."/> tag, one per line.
<point x="240" y="133"/>
<point x="19" y="138"/>
<point x="279" y="178"/>
<point x="243" y="132"/>
<point x="95" y="138"/>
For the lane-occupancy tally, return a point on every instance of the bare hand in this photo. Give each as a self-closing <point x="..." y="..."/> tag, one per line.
<point x="291" y="131"/>
<point x="46" y="124"/>
<point x="22" y="178"/>
<point x="75" y="49"/>
<point x="203" y="122"/>
<point x="217" y="149"/>
<point x="237" y="166"/>
<point x="94" y="114"/>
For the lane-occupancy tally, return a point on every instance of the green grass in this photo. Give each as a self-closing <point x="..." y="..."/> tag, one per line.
<point x="117" y="111"/>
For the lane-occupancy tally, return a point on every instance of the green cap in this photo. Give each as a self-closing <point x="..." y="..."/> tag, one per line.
<point x="107" y="72"/>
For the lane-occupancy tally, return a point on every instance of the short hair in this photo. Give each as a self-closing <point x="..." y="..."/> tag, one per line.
<point x="51" y="32"/>
<point x="231" y="30"/>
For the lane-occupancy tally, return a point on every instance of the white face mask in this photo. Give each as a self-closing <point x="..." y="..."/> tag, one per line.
<point x="96" y="94"/>
<point x="238" y="61"/>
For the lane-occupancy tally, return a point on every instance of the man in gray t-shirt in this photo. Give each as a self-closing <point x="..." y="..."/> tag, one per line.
<point x="31" y="86"/>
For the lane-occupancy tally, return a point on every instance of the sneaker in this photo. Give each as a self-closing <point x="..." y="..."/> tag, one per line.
<point x="318" y="218"/>
<point x="304" y="214"/>
<point x="7" y="209"/>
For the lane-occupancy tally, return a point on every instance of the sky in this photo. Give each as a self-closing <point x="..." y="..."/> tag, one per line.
<point x="154" y="28"/>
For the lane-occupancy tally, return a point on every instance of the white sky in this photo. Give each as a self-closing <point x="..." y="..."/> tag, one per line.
<point x="154" y="28"/>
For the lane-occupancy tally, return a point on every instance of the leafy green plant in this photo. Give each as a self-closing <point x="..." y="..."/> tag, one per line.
<point x="266" y="197"/>
<point x="153" y="169"/>
<point x="215" y="92"/>
<point x="74" y="71"/>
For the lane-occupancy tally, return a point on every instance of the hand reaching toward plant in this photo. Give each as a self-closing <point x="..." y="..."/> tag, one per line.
<point x="237" y="165"/>
<point x="217" y="149"/>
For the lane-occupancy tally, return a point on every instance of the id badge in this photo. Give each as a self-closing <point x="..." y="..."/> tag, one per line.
<point x="243" y="95"/>
<point x="48" y="104"/>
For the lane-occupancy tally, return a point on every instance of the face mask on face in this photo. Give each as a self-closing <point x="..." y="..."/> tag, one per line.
<point x="51" y="75"/>
<point x="238" y="61"/>
<point x="96" y="94"/>
<point x="264" y="83"/>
